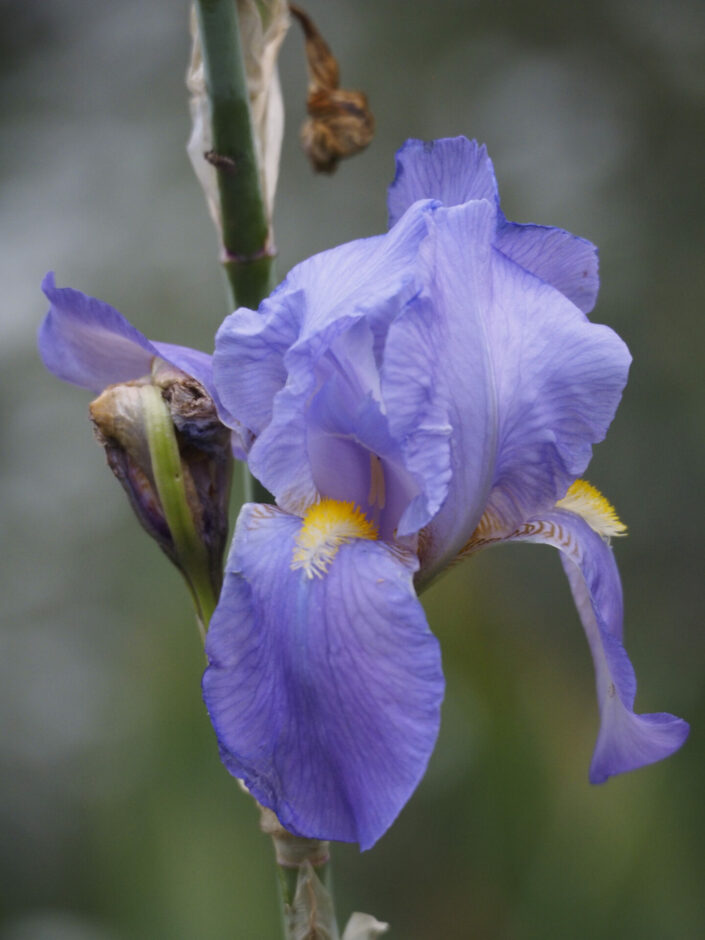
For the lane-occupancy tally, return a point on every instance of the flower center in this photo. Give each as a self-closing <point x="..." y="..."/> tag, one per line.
<point x="327" y="525"/>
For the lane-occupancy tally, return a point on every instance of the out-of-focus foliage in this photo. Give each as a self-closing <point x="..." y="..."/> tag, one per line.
<point x="118" y="820"/>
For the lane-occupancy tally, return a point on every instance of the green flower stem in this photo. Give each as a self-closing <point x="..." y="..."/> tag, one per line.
<point x="304" y="882"/>
<point x="247" y="250"/>
<point x="169" y="481"/>
<point x="307" y="905"/>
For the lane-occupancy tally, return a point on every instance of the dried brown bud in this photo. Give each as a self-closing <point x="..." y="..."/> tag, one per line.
<point x="340" y="122"/>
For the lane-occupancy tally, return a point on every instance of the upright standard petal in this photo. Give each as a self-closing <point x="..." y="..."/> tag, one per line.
<point x="566" y="262"/>
<point x="526" y="382"/>
<point x="626" y="740"/>
<point x="558" y="381"/>
<point x="437" y="379"/>
<point x="325" y="683"/>
<point x="456" y="170"/>
<point x="319" y="338"/>
<point x="369" y="278"/>
<point x="453" y="170"/>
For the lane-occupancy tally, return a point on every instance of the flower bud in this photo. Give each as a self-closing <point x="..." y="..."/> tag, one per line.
<point x="166" y="446"/>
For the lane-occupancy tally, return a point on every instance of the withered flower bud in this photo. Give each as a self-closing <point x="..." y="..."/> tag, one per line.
<point x="166" y="446"/>
<point x="340" y="122"/>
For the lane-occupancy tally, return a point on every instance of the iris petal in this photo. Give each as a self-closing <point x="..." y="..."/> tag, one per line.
<point x="324" y="692"/>
<point x="626" y="740"/>
<point x="564" y="261"/>
<point x="524" y="380"/>
<point x="438" y="385"/>
<point x="558" y="381"/>
<point x="456" y="170"/>
<point x="369" y="278"/>
<point x="280" y="457"/>
<point x="88" y="343"/>
<point x="453" y="170"/>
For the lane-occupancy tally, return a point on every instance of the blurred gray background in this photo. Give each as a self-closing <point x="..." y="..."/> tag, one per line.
<point x="117" y="818"/>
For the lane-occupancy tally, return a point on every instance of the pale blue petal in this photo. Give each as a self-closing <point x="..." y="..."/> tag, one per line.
<point x="280" y="457"/>
<point x="626" y="740"/>
<point x="324" y="693"/>
<point x="370" y="278"/>
<point x="456" y="170"/>
<point x="558" y="380"/>
<point x="524" y="382"/>
<point x="565" y="261"/>
<point x="350" y="447"/>
<point x="304" y="376"/>
<point x="438" y="384"/>
<point x="88" y="343"/>
<point x="453" y="170"/>
<point x="248" y="362"/>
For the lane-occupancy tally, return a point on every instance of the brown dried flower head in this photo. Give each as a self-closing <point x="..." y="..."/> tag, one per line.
<point x="340" y="122"/>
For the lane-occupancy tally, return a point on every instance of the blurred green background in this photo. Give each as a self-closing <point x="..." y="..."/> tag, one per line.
<point x="117" y="818"/>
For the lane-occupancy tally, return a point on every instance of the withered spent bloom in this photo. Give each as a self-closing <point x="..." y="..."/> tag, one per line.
<point x="340" y="123"/>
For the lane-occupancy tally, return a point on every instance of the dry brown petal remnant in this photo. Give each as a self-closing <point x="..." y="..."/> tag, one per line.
<point x="340" y="122"/>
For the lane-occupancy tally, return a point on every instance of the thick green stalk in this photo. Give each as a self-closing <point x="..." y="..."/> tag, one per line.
<point x="307" y="905"/>
<point x="308" y="910"/>
<point x="247" y="250"/>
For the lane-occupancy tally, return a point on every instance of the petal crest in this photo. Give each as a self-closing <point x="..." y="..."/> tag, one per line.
<point x="456" y="170"/>
<point x="453" y="170"/>
<point x="324" y="692"/>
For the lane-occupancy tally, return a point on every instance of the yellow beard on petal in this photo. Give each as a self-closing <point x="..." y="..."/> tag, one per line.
<point x="326" y="526"/>
<point x="584" y="500"/>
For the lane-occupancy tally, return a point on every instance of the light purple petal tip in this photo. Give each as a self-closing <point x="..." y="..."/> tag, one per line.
<point x="452" y="170"/>
<point x="628" y="741"/>
<point x="87" y="342"/>
<point x="455" y="171"/>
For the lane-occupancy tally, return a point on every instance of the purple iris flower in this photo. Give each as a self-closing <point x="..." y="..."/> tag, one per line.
<point x="413" y="397"/>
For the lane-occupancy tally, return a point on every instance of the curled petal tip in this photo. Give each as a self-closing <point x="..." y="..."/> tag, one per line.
<point x="628" y="741"/>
